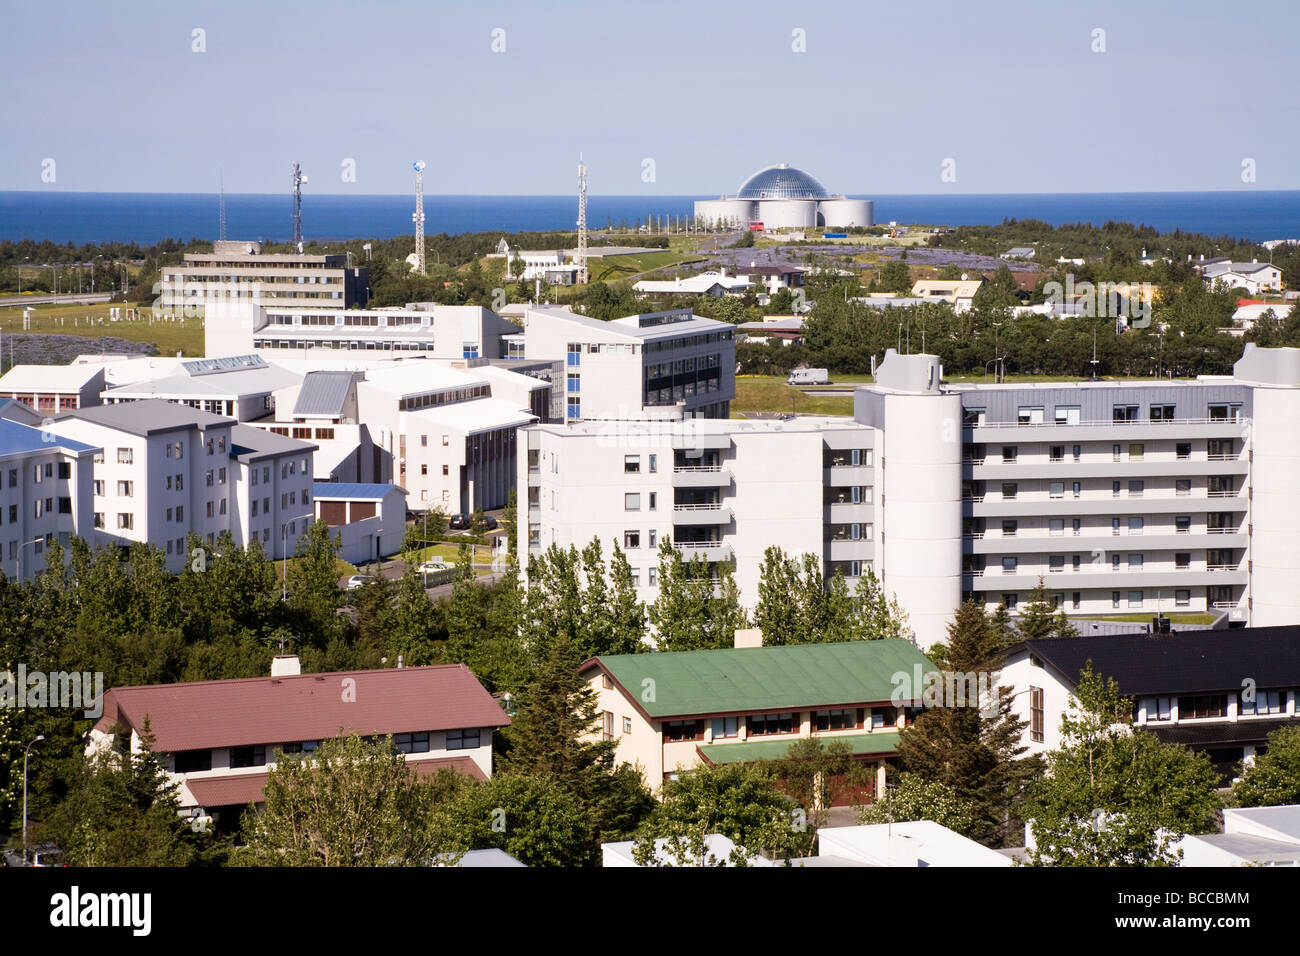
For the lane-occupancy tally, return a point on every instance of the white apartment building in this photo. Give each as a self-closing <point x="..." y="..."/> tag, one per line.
<point x="657" y="365"/>
<point x="724" y="490"/>
<point x="1123" y="497"/>
<point x="162" y="470"/>
<point x="237" y="386"/>
<point x="45" y="494"/>
<point x="240" y="272"/>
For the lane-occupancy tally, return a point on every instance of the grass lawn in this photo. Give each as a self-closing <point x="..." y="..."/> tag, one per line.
<point x="769" y="393"/>
<point x="170" y="337"/>
<point x="624" y="267"/>
<point x="450" y="553"/>
<point x="341" y="567"/>
<point x="1196" y="617"/>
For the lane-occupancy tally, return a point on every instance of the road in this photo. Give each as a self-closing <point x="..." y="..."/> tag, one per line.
<point x="87" y="298"/>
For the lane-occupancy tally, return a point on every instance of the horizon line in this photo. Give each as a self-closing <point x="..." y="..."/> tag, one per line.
<point x="647" y="196"/>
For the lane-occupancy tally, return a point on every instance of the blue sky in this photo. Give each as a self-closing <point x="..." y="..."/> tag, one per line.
<point x="710" y="90"/>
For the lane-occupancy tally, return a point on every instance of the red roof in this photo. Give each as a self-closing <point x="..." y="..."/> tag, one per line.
<point x="245" y="788"/>
<point x="275" y="710"/>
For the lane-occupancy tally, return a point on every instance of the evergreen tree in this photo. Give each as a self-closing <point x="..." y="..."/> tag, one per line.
<point x="627" y="613"/>
<point x="1273" y="778"/>
<point x="972" y="745"/>
<point x="1037" y="617"/>
<point x="314" y="595"/>
<point x="416" y="628"/>
<point x="466" y="613"/>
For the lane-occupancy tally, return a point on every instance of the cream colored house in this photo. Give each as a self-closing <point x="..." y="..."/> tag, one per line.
<point x="674" y="711"/>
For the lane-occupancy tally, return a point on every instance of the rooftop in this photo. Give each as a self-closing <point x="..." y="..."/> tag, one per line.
<point x="636" y="328"/>
<point x="48" y="378"/>
<point x="343" y="489"/>
<point x="323" y="392"/>
<point x="738" y="680"/>
<point x="782" y="182"/>
<point x="275" y="710"/>
<point x="18" y="439"/>
<point x="146" y="417"/>
<point x="250" y="444"/>
<point x="480" y="414"/>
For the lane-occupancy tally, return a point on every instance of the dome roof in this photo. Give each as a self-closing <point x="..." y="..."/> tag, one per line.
<point x="782" y="182"/>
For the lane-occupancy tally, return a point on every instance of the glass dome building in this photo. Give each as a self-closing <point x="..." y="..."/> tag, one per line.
<point x="784" y="197"/>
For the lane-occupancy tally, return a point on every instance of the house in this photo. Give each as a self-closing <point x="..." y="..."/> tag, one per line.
<point x="1019" y="252"/>
<point x="219" y="740"/>
<point x="959" y="293"/>
<point x="773" y="278"/>
<point x="1252" y="836"/>
<point x="370" y="519"/>
<point x="786" y="329"/>
<point x="49" y="389"/>
<point x="674" y="711"/>
<point x="1217" y="691"/>
<point x="717" y="852"/>
<point x="909" y="843"/>
<point x="716" y="284"/>
<point x="1254" y="276"/>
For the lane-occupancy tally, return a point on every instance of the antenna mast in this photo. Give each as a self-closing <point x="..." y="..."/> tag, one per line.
<point x="418" y="216"/>
<point x="298" y="180"/>
<point x="582" y="221"/>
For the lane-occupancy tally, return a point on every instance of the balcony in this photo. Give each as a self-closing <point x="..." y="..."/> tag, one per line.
<point x="701" y="476"/>
<point x="708" y="550"/>
<point x="707" y="513"/>
<point x="850" y="549"/>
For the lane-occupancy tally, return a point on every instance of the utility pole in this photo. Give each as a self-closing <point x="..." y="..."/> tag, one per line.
<point x="417" y="217"/>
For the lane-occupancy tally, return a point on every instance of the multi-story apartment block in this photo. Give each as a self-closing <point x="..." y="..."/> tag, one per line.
<point x="241" y="272"/>
<point x="164" y="470"/>
<point x="721" y="490"/>
<point x="658" y="365"/>
<point x="219" y="740"/>
<point x="674" y="711"/>
<point x="45" y="494"/>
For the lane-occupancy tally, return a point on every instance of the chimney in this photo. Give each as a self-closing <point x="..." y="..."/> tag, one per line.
<point x="749" y="637"/>
<point x="285" y="665"/>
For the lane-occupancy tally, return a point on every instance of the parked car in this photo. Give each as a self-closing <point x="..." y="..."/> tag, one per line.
<point x="429" y="567"/>
<point x="458" y="522"/>
<point x="358" y="581"/>
<point x="490" y="522"/>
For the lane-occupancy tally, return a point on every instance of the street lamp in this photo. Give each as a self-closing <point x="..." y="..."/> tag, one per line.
<point x="28" y="750"/>
<point x="20" y="555"/>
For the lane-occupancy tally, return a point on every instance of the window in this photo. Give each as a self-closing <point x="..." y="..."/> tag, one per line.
<point x="444" y="471"/>
<point x="678" y="730"/>
<point x="1183" y="598"/>
<point x="631" y="501"/>
<point x="1028" y="415"/>
<point x="884" y="717"/>
<point x="245" y="756"/>
<point x="180" y="482"/>
<point x="1056" y="563"/>
<point x="1036" y="714"/>
<point x="654" y="538"/>
<point x="654" y="501"/>
<point x="466" y="739"/>
<point x="1160" y="708"/>
<point x="180" y="513"/>
<point x="222" y="508"/>
<point x="254" y="508"/>
<point x="1265" y="702"/>
<point x="1056" y="489"/>
<point x="1183" y="449"/>
<point x="1075" y="562"/>
<point x="192" y="761"/>
<point x="1207" y="705"/>
<point x="1114" y="489"/>
<point x="1114" y="452"/>
<point x="1135" y="599"/>
<point x="1008" y="489"/>
<point x="1075" y="597"/>
<point x="1056" y="453"/>
<point x="1114" y="525"/>
<point x="1162" y="413"/>
<point x="208" y="478"/>
<point x="1124" y="413"/>
<point x="627" y="725"/>
<point x="1135" y="525"/>
<point x="125" y="489"/>
<point x="209" y="446"/>
<point x="631" y="464"/>
<point x="1078" y="450"/>
<point x="1067" y="415"/>
<point x="1114" y="600"/>
<point x="1056" y="527"/>
<point x="1183" y="560"/>
<point x="1182" y="524"/>
<point x="835" y="720"/>
<point x="1135" y="562"/>
<point x="631" y="539"/>
<point x="763" y="725"/>
<point x="125" y="456"/>
<point x="221" y="476"/>
<point x="412" y="743"/>
<point x="1135" y="488"/>
<point x="1009" y="453"/>
<point x="99" y="487"/>
<point x="1076" y="525"/>
<point x="126" y="521"/>
<point x="1135" y="452"/>
<point x="653" y="575"/>
<point x="724" y="727"/>
<point x="1009" y="601"/>
<point x="1009" y="526"/>
<point x="210" y="510"/>
<point x="424" y="469"/>
<point x="1077" y="488"/>
<point x="1183" y="486"/>
<point x="1009" y="565"/>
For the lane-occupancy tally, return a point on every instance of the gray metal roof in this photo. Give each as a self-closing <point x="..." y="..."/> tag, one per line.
<point x="147" y="416"/>
<point x="323" y="393"/>
<point x="248" y="443"/>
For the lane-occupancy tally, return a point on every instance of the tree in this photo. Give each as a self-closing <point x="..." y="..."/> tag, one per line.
<point x="972" y="744"/>
<point x="1273" y="778"/>
<point x="777" y="613"/>
<point x="466" y="612"/>
<point x="1113" y="795"/>
<point x="915" y="798"/>
<point x="351" y="803"/>
<point x="477" y="523"/>
<point x="680" y="613"/>
<point x="740" y="801"/>
<point x="1040" y="619"/>
<point x="122" y="810"/>
<point x="313" y="584"/>
<point x="895" y="276"/>
<point x="817" y="775"/>
<point x="510" y="521"/>
<point x="532" y="818"/>
<point x="416" y="627"/>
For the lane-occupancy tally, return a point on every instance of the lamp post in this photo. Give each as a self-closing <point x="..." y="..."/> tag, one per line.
<point x="20" y="554"/>
<point x="26" y="752"/>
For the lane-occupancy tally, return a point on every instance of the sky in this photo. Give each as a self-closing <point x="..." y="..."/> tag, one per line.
<point x="660" y="98"/>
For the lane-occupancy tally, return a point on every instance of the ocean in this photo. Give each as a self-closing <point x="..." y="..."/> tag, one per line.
<point x="146" y="218"/>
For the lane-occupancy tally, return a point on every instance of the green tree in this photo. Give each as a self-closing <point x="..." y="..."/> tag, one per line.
<point x="972" y="744"/>
<point x="915" y="798"/>
<point x="740" y="801"/>
<point x="477" y="523"/>
<point x="533" y="818"/>
<point x="1273" y="779"/>
<point x="350" y="803"/>
<point x="895" y="276"/>
<point x="466" y="613"/>
<point x="510" y="521"/>
<point x="314" y="595"/>
<point x="818" y="774"/>
<point x="680" y="614"/>
<point x="416" y="627"/>
<point x="1113" y="795"/>
<point x="777" y="613"/>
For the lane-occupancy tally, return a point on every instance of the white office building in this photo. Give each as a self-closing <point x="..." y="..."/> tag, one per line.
<point x="664" y="365"/>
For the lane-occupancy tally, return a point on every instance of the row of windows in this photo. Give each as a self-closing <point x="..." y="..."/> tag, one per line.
<point x="767" y="725"/>
<point x="358" y="345"/>
<point x="1260" y="703"/>
<point x="448" y="397"/>
<point x="1136" y="599"/>
<point x="1070" y="414"/>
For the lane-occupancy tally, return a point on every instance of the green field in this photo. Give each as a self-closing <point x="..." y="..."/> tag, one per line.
<point x="627" y="267"/>
<point x="769" y="393"/>
<point x="1186" y="618"/>
<point x="169" y="337"/>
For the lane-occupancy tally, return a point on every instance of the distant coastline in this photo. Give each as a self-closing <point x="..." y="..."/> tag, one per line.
<point x="146" y="218"/>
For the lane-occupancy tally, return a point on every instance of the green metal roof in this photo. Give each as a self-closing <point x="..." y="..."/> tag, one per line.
<point x="764" y="678"/>
<point x="881" y="742"/>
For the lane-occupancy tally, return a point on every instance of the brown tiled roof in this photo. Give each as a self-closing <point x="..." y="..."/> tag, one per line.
<point x="245" y="788"/>
<point x="275" y="710"/>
